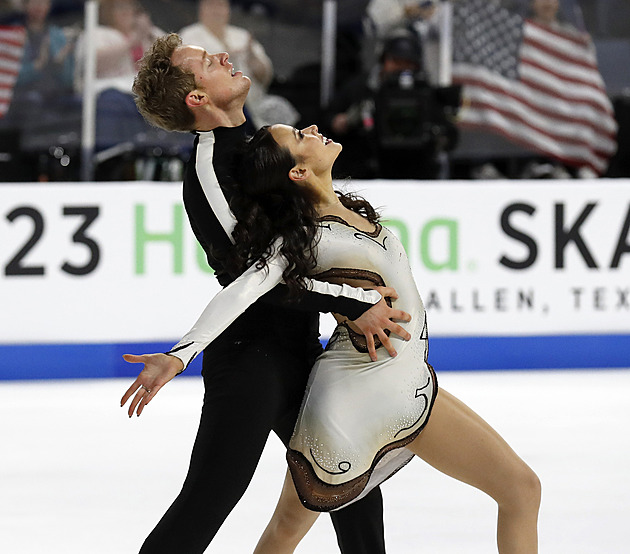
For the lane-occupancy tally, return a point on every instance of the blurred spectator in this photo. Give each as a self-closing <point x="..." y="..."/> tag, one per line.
<point x="387" y="15"/>
<point x="392" y="123"/>
<point x="620" y="163"/>
<point x="547" y="13"/>
<point x="40" y="104"/>
<point x="214" y="33"/>
<point x="8" y="9"/>
<point x="534" y="82"/>
<point x="46" y="72"/>
<point x="171" y="15"/>
<point x="124" y="32"/>
<point x="422" y="17"/>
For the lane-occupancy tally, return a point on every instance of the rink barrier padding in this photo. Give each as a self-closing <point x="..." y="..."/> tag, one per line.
<point x="81" y="361"/>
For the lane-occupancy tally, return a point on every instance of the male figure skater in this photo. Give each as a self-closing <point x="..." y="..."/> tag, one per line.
<point x="256" y="371"/>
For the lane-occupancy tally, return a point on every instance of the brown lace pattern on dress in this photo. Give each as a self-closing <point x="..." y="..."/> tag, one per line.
<point x="319" y="496"/>
<point x="343" y="274"/>
<point x="375" y="233"/>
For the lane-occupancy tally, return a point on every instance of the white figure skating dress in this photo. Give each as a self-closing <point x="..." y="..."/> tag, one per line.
<point x="357" y="415"/>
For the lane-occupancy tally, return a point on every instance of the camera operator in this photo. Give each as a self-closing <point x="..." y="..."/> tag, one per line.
<point x="393" y="123"/>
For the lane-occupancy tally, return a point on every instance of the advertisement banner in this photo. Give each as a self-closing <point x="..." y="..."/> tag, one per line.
<point x="99" y="263"/>
<point x="115" y="263"/>
<point x="516" y="258"/>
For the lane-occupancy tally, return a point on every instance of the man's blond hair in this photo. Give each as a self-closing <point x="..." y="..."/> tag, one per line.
<point x="160" y="87"/>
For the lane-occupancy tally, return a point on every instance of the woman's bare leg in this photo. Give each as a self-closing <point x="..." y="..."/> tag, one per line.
<point x="459" y="443"/>
<point x="288" y="525"/>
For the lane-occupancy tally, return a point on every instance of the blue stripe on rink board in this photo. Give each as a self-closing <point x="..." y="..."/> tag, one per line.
<point x="77" y="361"/>
<point x="540" y="352"/>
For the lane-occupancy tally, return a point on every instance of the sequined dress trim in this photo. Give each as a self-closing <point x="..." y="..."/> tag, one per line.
<point x="319" y="496"/>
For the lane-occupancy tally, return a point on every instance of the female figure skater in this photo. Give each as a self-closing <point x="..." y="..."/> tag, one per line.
<point x="361" y="420"/>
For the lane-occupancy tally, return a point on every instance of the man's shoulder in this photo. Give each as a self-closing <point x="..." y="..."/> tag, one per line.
<point x="229" y="134"/>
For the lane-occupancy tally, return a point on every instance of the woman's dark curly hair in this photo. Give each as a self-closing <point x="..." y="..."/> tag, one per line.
<point x="269" y="205"/>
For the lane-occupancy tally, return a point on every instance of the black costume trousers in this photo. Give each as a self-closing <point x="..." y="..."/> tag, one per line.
<point x="251" y="388"/>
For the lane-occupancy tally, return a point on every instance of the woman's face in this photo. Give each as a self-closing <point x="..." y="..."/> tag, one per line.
<point x="123" y="14"/>
<point x="214" y="13"/>
<point x="546" y="10"/>
<point x="310" y="148"/>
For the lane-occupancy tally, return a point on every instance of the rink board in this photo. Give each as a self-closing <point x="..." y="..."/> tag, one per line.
<point x="76" y="361"/>
<point x="513" y="274"/>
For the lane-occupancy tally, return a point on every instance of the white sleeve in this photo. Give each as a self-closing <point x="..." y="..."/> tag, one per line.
<point x="342" y="291"/>
<point x="204" y="166"/>
<point x="228" y="304"/>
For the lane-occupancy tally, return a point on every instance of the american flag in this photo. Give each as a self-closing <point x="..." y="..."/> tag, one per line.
<point x="536" y="85"/>
<point x="11" y="48"/>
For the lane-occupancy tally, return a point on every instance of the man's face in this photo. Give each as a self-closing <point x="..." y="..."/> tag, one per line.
<point x="37" y="10"/>
<point x="394" y="64"/>
<point x="213" y="75"/>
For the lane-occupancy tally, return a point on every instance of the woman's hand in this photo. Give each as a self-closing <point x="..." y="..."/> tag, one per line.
<point x="158" y="370"/>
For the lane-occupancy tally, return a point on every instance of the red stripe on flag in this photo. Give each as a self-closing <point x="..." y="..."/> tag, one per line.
<point x="531" y="145"/>
<point x="16" y="43"/>
<point x="562" y="77"/>
<point x="542" y="109"/>
<point x="575" y="141"/>
<point x="585" y="64"/>
<point x="557" y="105"/>
<point x="579" y="40"/>
<point x="12" y="38"/>
<point x="602" y="107"/>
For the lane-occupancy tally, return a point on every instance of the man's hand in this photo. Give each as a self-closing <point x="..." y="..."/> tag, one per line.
<point x="379" y="318"/>
<point x="158" y="370"/>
